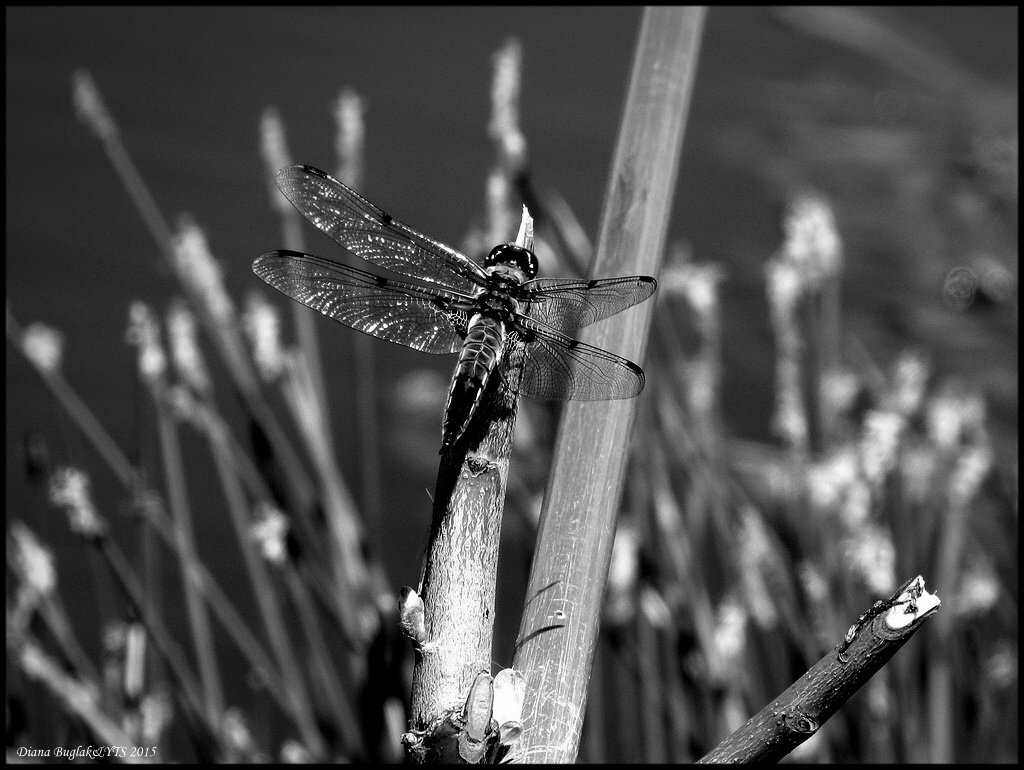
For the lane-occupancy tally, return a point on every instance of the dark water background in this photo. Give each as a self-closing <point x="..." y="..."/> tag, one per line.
<point x="187" y="87"/>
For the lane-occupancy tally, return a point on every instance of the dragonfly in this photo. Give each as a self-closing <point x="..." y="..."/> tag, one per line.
<point x="444" y="302"/>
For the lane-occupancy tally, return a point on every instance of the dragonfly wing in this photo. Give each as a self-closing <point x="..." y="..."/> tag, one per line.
<point x="557" y="367"/>
<point x="419" y="318"/>
<point x="568" y="305"/>
<point x="372" y="234"/>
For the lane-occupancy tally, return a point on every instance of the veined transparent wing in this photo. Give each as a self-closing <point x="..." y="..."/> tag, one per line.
<point x="568" y="305"/>
<point x="424" y="319"/>
<point x="558" y="367"/>
<point x="372" y="234"/>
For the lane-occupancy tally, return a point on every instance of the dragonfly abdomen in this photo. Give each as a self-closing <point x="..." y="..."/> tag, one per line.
<point x="479" y="357"/>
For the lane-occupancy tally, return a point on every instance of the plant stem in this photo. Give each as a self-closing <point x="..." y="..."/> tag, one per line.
<point x="803" y="708"/>
<point x="461" y="567"/>
<point x="266" y="597"/>
<point x="177" y="498"/>
<point x="578" y="520"/>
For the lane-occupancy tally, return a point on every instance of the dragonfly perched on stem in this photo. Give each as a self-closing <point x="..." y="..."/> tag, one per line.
<point x="455" y="304"/>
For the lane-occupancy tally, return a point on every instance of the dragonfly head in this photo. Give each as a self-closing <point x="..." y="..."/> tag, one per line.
<point x="508" y="255"/>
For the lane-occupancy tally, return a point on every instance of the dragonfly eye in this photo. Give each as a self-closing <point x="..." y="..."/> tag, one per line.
<point x="522" y="259"/>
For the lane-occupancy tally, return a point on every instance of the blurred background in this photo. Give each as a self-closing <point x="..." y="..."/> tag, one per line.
<point x="895" y="128"/>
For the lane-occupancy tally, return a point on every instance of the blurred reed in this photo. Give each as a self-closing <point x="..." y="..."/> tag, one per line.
<point x="339" y="616"/>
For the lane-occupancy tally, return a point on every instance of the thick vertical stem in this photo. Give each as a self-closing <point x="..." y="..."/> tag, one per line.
<point x="459" y="575"/>
<point x="461" y="568"/>
<point x="560" y="622"/>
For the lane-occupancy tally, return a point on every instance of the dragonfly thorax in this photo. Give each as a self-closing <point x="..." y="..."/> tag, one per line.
<point x="497" y="305"/>
<point x="509" y="258"/>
